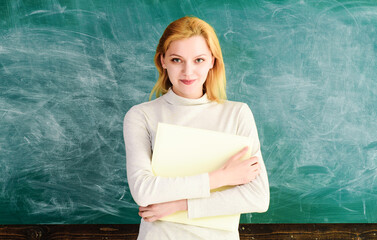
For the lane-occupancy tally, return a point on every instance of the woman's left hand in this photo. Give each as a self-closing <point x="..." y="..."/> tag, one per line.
<point x="154" y="212"/>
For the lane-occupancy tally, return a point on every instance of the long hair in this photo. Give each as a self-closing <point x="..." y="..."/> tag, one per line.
<point x="186" y="27"/>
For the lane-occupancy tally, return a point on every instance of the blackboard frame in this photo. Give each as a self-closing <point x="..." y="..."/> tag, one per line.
<point x="359" y="231"/>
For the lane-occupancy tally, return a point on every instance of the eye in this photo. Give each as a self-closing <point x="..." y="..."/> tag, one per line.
<point x="199" y="60"/>
<point x="176" y="60"/>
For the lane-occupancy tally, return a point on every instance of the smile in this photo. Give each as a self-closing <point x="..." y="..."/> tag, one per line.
<point x="187" y="82"/>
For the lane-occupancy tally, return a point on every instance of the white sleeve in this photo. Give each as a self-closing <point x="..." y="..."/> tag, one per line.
<point x="251" y="197"/>
<point x="146" y="188"/>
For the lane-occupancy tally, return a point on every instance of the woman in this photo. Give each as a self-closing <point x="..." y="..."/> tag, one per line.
<point x="190" y="92"/>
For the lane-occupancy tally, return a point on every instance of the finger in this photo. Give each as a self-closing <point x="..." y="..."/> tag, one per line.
<point x="253" y="171"/>
<point x="254" y="159"/>
<point x="251" y="162"/>
<point x="239" y="154"/>
<point x="150" y="219"/>
<point x="142" y="209"/>
<point x="255" y="167"/>
<point x="256" y="173"/>
<point x="254" y="162"/>
<point x="146" y="214"/>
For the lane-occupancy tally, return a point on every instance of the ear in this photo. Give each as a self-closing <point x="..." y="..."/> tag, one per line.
<point x="162" y="61"/>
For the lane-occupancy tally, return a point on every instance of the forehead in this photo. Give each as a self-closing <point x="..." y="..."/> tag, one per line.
<point x="195" y="45"/>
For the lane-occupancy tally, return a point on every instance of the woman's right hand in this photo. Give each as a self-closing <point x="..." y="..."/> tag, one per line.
<point x="235" y="171"/>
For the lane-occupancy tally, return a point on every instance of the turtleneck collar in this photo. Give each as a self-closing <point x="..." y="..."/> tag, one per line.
<point x="174" y="99"/>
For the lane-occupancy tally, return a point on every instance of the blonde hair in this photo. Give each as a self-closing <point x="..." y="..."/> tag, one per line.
<point x="186" y="27"/>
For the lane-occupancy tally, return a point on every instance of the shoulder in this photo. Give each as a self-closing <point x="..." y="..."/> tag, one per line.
<point x="240" y="106"/>
<point x="240" y="110"/>
<point x="141" y="110"/>
<point x="235" y="104"/>
<point x="244" y="119"/>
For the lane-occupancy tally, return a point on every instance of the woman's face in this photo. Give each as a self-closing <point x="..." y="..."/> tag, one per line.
<point x="187" y="62"/>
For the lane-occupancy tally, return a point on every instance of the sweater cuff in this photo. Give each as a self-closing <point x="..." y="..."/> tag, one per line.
<point x="193" y="208"/>
<point x="193" y="205"/>
<point x="205" y="187"/>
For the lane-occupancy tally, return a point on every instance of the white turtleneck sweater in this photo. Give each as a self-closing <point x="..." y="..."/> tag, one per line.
<point x="140" y="126"/>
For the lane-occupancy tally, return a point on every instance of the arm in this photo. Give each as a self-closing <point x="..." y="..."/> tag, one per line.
<point x="251" y="197"/>
<point x="233" y="172"/>
<point x="147" y="189"/>
<point x="154" y="212"/>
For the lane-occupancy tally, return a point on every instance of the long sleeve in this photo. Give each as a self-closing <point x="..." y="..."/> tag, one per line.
<point x="146" y="188"/>
<point x="251" y="197"/>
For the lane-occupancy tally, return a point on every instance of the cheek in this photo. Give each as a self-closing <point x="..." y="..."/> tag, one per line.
<point x="203" y="71"/>
<point x="173" y="71"/>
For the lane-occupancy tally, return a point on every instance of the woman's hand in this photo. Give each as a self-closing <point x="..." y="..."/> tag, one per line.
<point x="235" y="171"/>
<point x="154" y="212"/>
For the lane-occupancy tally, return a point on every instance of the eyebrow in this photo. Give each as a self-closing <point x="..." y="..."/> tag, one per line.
<point x="183" y="57"/>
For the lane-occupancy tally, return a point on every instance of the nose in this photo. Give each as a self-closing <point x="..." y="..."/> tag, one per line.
<point x="188" y="69"/>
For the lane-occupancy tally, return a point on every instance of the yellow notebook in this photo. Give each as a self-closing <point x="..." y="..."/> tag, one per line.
<point x="183" y="151"/>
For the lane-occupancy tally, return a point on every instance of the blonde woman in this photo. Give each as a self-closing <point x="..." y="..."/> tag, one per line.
<point x="190" y="91"/>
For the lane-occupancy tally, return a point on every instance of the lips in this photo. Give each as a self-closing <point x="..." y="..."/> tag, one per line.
<point x="187" y="82"/>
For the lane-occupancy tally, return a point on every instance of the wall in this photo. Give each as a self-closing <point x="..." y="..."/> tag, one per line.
<point x="70" y="70"/>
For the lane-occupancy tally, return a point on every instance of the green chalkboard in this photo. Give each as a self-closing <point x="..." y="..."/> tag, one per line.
<point x="70" y="70"/>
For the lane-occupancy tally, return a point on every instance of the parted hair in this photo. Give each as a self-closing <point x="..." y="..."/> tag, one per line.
<point x="186" y="27"/>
